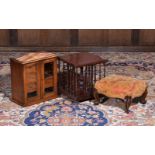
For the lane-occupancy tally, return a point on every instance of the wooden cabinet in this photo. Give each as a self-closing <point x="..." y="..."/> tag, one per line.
<point x="34" y="78"/>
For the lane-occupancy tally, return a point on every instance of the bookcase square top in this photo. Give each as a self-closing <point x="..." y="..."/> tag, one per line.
<point x="82" y="59"/>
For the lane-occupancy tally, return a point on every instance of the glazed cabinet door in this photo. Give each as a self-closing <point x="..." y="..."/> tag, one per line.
<point x="49" y="78"/>
<point x="32" y="82"/>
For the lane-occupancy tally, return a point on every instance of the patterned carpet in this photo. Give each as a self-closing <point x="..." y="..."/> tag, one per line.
<point x="64" y="112"/>
<point x="139" y="65"/>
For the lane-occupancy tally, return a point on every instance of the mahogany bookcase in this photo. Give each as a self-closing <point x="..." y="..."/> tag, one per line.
<point x="78" y="73"/>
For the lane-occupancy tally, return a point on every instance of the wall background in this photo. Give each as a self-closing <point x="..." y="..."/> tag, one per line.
<point x="124" y="40"/>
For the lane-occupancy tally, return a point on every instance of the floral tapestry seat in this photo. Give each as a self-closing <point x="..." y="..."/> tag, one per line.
<point x="122" y="87"/>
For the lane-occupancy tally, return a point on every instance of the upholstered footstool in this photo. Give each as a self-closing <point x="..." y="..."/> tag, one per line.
<point x="122" y="87"/>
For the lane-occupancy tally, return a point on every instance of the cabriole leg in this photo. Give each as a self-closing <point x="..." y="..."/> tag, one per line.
<point x="127" y="101"/>
<point x="97" y="98"/>
<point x="142" y="99"/>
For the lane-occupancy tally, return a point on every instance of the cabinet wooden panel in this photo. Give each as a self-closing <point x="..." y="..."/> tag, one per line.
<point x="31" y="72"/>
<point x="93" y="37"/>
<point x="28" y="37"/>
<point x="17" y="84"/>
<point x="32" y="85"/>
<point x="119" y="37"/>
<point x="37" y="78"/>
<point x="147" y="37"/>
<point x="4" y="37"/>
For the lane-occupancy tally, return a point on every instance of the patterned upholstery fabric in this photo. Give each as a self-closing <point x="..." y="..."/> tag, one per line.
<point x="117" y="86"/>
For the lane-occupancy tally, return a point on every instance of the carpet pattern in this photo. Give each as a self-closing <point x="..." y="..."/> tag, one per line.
<point x="65" y="113"/>
<point x="139" y="65"/>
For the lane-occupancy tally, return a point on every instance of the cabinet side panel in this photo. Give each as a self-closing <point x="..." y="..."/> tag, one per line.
<point x="17" y="82"/>
<point x="55" y="77"/>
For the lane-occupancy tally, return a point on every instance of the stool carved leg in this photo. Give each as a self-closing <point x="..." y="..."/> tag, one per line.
<point x="105" y="98"/>
<point x="142" y="99"/>
<point x="127" y="101"/>
<point x="96" y="96"/>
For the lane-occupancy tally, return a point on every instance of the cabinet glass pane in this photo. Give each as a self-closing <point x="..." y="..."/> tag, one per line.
<point x="32" y="94"/>
<point x="49" y="89"/>
<point x="48" y="69"/>
<point x="48" y="78"/>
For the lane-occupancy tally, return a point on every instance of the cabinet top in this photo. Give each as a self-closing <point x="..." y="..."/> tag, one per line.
<point x="35" y="56"/>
